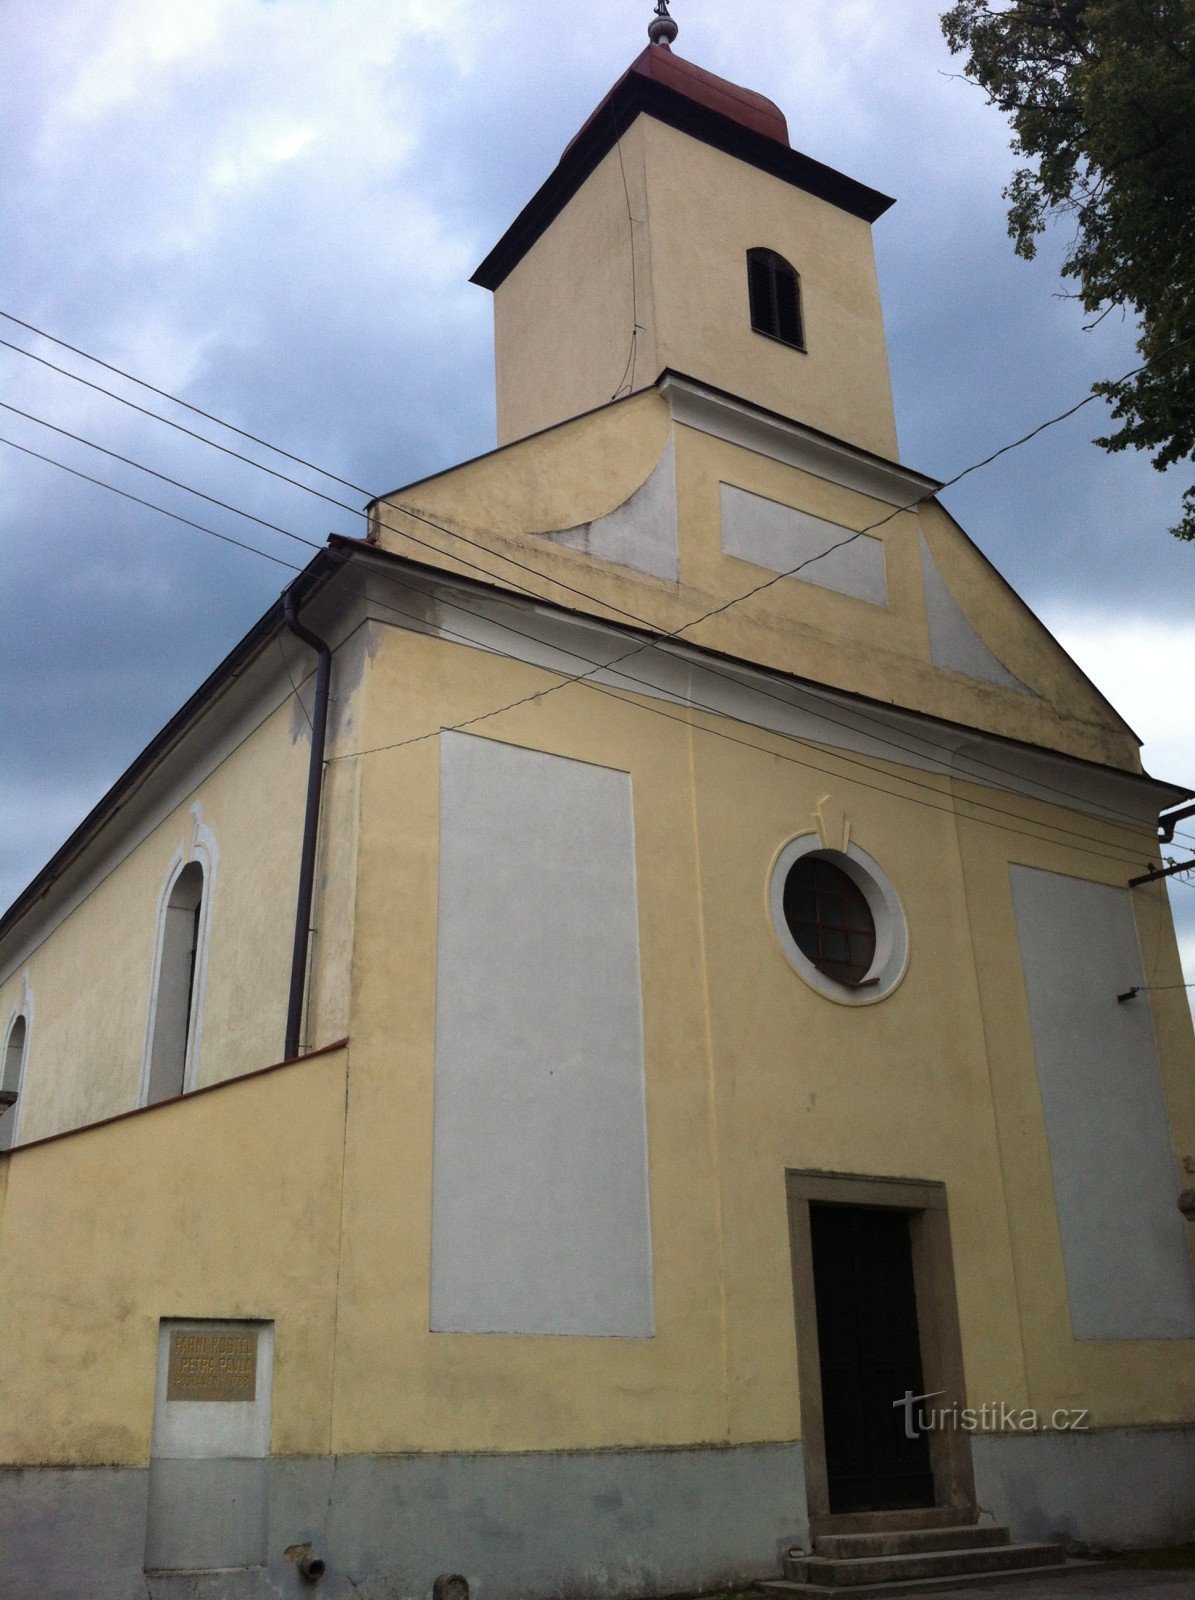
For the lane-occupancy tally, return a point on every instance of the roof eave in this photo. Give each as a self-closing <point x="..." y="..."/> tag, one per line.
<point x="312" y="578"/>
<point x="635" y="96"/>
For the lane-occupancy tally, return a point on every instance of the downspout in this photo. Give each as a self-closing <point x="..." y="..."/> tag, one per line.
<point x="1169" y="820"/>
<point x="315" y="784"/>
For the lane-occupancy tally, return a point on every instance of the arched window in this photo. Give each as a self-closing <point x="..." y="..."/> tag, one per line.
<point x="10" y="1080"/>
<point x="775" y="291"/>
<point x="174" y="1008"/>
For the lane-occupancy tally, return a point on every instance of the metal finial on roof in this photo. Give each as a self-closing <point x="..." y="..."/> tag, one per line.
<point x="663" y="30"/>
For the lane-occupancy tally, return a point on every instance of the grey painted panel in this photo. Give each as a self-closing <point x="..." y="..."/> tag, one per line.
<point x="597" y="1524"/>
<point x="643" y="532"/>
<point x="540" y="1220"/>
<point x="1123" y="1488"/>
<point x="1128" y="1266"/>
<point x="207" y="1514"/>
<point x="780" y="537"/>
<point x="953" y="642"/>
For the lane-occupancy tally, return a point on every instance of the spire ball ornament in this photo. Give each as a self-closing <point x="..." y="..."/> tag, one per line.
<point x="663" y="30"/>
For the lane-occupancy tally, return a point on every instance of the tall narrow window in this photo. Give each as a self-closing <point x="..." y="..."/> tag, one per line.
<point x="174" y="1013"/>
<point x="775" y="291"/>
<point x="10" y="1080"/>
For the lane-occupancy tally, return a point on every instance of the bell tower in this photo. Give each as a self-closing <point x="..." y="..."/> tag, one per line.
<point x="681" y="231"/>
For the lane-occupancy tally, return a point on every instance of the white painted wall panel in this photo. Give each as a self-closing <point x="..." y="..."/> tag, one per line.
<point x="1128" y="1268"/>
<point x="540" y="1220"/>
<point x="780" y="537"/>
<point x="209" y="1469"/>
<point x="953" y="642"/>
<point x="643" y="533"/>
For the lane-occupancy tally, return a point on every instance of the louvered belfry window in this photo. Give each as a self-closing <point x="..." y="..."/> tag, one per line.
<point x="775" y="298"/>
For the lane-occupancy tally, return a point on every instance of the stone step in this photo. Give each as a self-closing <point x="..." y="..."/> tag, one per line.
<point x="920" y="1566"/>
<point x="908" y="1541"/>
<point x="890" y="1521"/>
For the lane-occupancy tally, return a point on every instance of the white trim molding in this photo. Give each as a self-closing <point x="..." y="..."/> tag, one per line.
<point x="891" y="959"/>
<point x="738" y="422"/>
<point x="23" y="1010"/>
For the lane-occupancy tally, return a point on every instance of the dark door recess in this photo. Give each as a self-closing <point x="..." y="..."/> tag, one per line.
<point x="870" y="1357"/>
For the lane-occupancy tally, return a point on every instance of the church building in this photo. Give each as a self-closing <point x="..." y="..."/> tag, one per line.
<point x="662" y="1063"/>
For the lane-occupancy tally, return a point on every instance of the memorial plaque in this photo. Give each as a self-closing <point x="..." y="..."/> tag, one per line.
<point x="211" y="1365"/>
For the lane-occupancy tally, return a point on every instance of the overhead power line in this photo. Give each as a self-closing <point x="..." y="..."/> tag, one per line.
<point x="1091" y="844"/>
<point x="165" y="394"/>
<point x="640" y="646"/>
<point x="149" y="504"/>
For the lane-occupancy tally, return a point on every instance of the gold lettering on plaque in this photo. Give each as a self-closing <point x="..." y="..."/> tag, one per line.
<point x="212" y="1366"/>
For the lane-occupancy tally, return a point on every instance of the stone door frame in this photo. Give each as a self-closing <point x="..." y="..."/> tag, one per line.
<point x="938" y="1327"/>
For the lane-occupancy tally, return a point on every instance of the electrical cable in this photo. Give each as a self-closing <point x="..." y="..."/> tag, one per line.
<point x="165" y="395"/>
<point x="595" y="667"/>
<point x="630" y="366"/>
<point x="641" y="646"/>
<point x="137" y="500"/>
<point x="175" y="483"/>
<point x="282" y="477"/>
<point x="187" y="488"/>
<point x="1087" y="842"/>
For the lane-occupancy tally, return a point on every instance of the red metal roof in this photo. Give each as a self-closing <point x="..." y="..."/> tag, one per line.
<point x="744" y="106"/>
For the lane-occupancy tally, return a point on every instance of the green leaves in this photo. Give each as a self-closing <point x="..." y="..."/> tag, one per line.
<point x="1101" y="96"/>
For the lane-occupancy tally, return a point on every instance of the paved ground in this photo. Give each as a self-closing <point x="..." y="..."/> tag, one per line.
<point x="1099" y="1580"/>
<point x="1086" y="1580"/>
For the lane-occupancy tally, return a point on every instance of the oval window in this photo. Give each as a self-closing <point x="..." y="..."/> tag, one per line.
<point x="838" y="920"/>
<point x="830" y="919"/>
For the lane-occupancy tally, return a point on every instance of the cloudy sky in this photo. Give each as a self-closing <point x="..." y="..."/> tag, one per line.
<point x="272" y="207"/>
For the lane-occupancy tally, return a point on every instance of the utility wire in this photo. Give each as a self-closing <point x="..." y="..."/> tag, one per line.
<point x="884" y="737"/>
<point x="175" y="483"/>
<point x="1087" y="842"/>
<point x="295" y="483"/>
<point x="149" y="504"/>
<point x="640" y="647"/>
<point x="630" y="366"/>
<point x="594" y="666"/>
<point x="165" y="395"/>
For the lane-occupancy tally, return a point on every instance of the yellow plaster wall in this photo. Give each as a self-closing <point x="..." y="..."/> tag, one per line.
<point x="586" y="468"/>
<point x="563" y="318"/>
<point x="224" y="1205"/>
<point x="229" y="1204"/>
<point x="706" y="210"/>
<point x="1124" y="1382"/>
<point x="749" y="1072"/>
<point x="800" y="627"/>
<point x="90" y="979"/>
<point x="400" y="1387"/>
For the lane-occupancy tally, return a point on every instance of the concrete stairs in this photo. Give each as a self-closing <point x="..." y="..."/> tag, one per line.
<point x="896" y="1560"/>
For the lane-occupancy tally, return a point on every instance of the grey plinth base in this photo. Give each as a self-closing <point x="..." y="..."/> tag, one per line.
<point x="1106" y="1489"/>
<point x="521" y="1527"/>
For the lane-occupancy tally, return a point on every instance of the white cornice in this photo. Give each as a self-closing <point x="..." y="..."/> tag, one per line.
<point x="738" y="422"/>
<point x="570" y="643"/>
<point x="388" y="590"/>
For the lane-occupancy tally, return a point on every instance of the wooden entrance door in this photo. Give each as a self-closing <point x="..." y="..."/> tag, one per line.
<point x="870" y="1357"/>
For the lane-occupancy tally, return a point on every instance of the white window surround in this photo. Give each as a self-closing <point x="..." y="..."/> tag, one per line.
<point x="200" y="849"/>
<point x="14" y="1077"/>
<point x="892" y="930"/>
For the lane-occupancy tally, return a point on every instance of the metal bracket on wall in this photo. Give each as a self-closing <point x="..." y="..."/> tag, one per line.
<point x="1155" y="874"/>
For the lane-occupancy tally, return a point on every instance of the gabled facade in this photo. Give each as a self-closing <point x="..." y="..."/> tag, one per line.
<point x="708" y="1031"/>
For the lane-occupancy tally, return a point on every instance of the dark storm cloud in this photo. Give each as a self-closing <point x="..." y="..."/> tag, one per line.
<point x="274" y="209"/>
